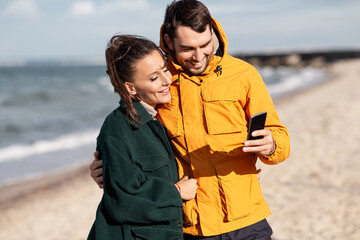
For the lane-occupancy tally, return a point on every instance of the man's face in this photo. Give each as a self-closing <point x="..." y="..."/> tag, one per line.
<point x="192" y="50"/>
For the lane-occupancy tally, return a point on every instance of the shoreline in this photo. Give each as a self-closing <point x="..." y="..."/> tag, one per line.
<point x="13" y="192"/>
<point x="16" y="188"/>
<point x="331" y="76"/>
<point x="310" y="194"/>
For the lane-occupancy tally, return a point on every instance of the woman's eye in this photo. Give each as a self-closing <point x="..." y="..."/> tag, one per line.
<point x="153" y="78"/>
<point x="166" y="70"/>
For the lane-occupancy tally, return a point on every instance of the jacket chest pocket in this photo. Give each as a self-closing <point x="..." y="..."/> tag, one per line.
<point x="154" y="166"/>
<point x="223" y="112"/>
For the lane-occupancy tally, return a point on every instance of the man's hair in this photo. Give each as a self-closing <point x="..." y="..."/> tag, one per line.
<point x="188" y="13"/>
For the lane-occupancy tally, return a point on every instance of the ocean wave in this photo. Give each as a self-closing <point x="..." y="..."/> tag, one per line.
<point x="26" y="98"/>
<point x="64" y="142"/>
<point x="305" y="78"/>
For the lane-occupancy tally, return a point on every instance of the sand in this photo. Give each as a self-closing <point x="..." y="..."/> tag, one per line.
<point x="315" y="194"/>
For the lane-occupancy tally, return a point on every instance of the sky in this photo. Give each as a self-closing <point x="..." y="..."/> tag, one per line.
<point x="64" y="29"/>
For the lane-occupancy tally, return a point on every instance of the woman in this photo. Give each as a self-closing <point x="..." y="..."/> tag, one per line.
<point x="142" y="195"/>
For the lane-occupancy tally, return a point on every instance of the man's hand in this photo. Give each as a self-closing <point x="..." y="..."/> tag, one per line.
<point x="264" y="146"/>
<point x="96" y="170"/>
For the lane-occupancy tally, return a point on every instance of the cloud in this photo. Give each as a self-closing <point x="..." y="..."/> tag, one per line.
<point x="82" y="9"/>
<point x="87" y="8"/>
<point x="21" y="9"/>
<point x="124" y="5"/>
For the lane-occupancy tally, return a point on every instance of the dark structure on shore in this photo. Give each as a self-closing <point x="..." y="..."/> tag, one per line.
<point x="299" y="59"/>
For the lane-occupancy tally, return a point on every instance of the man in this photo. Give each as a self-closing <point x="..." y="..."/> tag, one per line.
<point x="213" y="97"/>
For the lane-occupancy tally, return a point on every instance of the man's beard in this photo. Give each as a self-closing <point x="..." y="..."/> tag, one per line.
<point x="188" y="70"/>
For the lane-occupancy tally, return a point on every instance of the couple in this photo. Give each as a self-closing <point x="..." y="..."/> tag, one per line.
<point x="204" y="98"/>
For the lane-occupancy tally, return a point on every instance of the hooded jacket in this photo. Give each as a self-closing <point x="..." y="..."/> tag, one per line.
<point x="207" y="121"/>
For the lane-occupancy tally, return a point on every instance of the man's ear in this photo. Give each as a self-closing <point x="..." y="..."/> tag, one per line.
<point x="169" y="42"/>
<point x="130" y="88"/>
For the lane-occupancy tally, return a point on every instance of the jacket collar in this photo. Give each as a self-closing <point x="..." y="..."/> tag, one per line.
<point x="145" y="117"/>
<point x="149" y="109"/>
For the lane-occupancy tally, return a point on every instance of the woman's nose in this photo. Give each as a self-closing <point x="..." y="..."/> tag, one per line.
<point x="166" y="80"/>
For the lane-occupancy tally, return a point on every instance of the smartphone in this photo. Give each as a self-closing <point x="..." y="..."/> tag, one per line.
<point x="257" y="122"/>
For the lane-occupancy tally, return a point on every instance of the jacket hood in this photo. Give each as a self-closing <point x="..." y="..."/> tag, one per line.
<point x="218" y="30"/>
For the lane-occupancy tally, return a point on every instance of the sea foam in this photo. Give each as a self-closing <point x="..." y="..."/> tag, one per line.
<point x="64" y="142"/>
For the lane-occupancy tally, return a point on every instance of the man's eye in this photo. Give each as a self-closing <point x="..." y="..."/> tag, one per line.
<point x="206" y="45"/>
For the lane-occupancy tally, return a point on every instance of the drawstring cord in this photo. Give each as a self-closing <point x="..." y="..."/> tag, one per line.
<point x="218" y="70"/>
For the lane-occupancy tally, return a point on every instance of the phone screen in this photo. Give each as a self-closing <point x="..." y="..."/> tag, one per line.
<point x="257" y="122"/>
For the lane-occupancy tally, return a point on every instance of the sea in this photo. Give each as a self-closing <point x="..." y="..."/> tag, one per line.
<point x="51" y="112"/>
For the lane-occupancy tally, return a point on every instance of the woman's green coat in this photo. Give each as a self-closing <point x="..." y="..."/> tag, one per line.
<point x="140" y="200"/>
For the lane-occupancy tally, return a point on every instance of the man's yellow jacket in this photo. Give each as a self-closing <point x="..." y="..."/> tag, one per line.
<point x="207" y="120"/>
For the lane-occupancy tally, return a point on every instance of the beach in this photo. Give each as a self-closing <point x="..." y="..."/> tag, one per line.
<point x="315" y="194"/>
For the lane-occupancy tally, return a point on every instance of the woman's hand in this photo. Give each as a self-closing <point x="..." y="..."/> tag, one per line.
<point x="187" y="187"/>
<point x="258" y="171"/>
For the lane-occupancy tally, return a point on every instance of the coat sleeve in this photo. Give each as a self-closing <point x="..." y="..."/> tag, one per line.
<point x="130" y="196"/>
<point x="259" y="100"/>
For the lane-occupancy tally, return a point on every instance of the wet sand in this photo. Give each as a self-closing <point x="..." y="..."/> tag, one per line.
<point x="315" y="194"/>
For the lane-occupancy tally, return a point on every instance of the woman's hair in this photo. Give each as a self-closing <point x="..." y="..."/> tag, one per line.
<point x="122" y="54"/>
<point x="188" y="13"/>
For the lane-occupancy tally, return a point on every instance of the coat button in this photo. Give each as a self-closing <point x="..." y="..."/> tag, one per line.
<point x="179" y="225"/>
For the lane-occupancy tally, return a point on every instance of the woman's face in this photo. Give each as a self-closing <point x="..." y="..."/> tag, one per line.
<point x="152" y="80"/>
